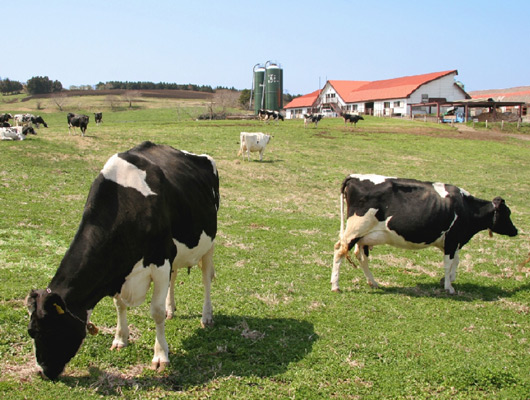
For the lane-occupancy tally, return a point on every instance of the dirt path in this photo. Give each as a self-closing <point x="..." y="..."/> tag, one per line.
<point x="470" y="133"/>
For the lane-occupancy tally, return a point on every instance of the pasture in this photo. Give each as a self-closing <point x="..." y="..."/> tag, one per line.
<point x="279" y="330"/>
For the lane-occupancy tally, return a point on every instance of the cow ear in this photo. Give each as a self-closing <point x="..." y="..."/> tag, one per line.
<point x="498" y="202"/>
<point x="54" y="304"/>
<point x="31" y="301"/>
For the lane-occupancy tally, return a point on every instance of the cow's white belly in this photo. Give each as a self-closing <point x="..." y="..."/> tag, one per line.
<point x="137" y="283"/>
<point x="381" y="234"/>
<point x="187" y="257"/>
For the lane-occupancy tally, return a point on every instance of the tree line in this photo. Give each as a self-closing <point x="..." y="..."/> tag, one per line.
<point x="43" y="84"/>
<point x="152" y="86"/>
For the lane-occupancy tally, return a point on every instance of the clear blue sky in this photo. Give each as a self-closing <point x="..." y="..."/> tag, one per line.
<point x="217" y="43"/>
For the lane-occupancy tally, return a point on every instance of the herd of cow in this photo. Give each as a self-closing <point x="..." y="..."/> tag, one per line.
<point x="153" y="210"/>
<point x="24" y="124"/>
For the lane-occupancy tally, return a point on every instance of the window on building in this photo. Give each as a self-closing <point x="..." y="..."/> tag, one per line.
<point x="387" y="104"/>
<point x="397" y="103"/>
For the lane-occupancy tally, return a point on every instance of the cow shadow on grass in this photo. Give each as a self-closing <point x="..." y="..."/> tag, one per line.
<point x="464" y="291"/>
<point x="240" y="346"/>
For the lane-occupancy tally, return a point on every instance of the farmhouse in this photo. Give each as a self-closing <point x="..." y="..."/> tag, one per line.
<point x="380" y="98"/>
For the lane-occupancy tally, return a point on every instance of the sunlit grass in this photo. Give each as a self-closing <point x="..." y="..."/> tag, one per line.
<point x="279" y="330"/>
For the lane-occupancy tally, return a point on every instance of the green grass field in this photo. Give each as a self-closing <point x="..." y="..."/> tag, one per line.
<point x="279" y="330"/>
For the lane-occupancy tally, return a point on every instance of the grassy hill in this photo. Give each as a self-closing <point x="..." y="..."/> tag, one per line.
<point x="118" y="100"/>
<point x="279" y="330"/>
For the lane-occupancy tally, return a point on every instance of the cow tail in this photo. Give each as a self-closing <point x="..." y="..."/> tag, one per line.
<point x="341" y="200"/>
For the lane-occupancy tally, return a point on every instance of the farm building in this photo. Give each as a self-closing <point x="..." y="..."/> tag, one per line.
<point x="380" y="98"/>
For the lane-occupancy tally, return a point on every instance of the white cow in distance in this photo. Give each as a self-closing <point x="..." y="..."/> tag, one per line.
<point x="252" y="142"/>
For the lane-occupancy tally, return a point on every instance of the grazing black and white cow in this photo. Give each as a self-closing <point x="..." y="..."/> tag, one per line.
<point x="4" y="118"/>
<point x="98" y="117"/>
<point x="413" y="215"/>
<point x="151" y="210"/>
<point x="16" y="132"/>
<point x="77" y="120"/>
<point x="269" y="115"/>
<point x="29" y="119"/>
<point x="312" y="118"/>
<point x="351" y="118"/>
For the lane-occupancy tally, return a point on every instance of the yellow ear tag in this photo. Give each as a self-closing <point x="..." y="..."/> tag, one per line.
<point x="60" y="311"/>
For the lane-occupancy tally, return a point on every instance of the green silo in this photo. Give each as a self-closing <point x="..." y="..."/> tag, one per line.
<point x="273" y="87"/>
<point x="259" y="83"/>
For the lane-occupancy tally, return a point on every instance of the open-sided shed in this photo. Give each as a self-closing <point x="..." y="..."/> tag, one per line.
<point x="469" y="104"/>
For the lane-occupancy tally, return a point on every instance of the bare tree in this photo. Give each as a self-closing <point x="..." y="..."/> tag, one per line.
<point x="130" y="95"/>
<point x="60" y="100"/>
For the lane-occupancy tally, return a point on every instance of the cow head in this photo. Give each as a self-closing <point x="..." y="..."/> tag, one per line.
<point x="38" y="120"/>
<point x="502" y="224"/>
<point x="57" y="333"/>
<point x="28" y="130"/>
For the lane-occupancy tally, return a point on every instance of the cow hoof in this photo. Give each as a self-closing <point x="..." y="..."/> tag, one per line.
<point x="117" y="346"/>
<point x="207" y="324"/>
<point x="336" y="290"/>
<point x="159" y="366"/>
<point x="374" y="285"/>
<point x="169" y="315"/>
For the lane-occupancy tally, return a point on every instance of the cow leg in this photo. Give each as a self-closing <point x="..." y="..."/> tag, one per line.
<point x="338" y="256"/>
<point x="122" y="329"/>
<point x="356" y="228"/>
<point x="170" y="299"/>
<point x="261" y="154"/>
<point x="362" y="255"/>
<point x="160" y="277"/>
<point x="450" y="267"/>
<point x="208" y="273"/>
<point x="248" y="154"/>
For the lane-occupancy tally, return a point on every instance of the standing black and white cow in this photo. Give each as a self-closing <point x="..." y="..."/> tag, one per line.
<point x="351" y="118"/>
<point x="98" y="118"/>
<point x="151" y="210"/>
<point x="413" y="215"/>
<point x="312" y="118"/>
<point x="77" y="120"/>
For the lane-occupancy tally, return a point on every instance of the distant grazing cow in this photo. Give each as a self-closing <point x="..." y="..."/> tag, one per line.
<point x="5" y="118"/>
<point x="16" y="132"/>
<point x="351" y="118"/>
<point x="98" y="117"/>
<point x="150" y="211"/>
<point x="269" y="115"/>
<point x="312" y="118"/>
<point x="29" y="119"/>
<point x="413" y="215"/>
<point x="252" y="142"/>
<point x="77" y="120"/>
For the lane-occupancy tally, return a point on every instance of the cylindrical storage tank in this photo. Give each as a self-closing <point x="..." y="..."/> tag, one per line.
<point x="273" y="87"/>
<point x="259" y="81"/>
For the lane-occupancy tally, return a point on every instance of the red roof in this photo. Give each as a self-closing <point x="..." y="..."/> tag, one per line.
<point x="358" y="91"/>
<point x="392" y="88"/>
<point x="304" y="101"/>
